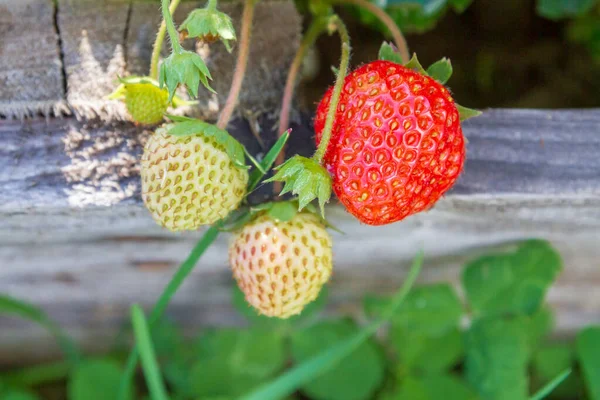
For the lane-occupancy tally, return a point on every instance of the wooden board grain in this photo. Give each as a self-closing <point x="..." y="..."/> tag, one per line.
<point x="77" y="241"/>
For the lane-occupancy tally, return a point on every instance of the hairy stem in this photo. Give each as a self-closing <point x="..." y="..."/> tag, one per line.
<point x="240" y="66"/>
<point x="313" y="32"/>
<point x="389" y="23"/>
<point x="168" y="20"/>
<point x="212" y="4"/>
<point x="337" y="89"/>
<point x="160" y="38"/>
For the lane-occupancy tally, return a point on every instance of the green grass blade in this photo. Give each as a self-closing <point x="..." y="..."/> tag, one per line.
<point x="9" y="305"/>
<point x="159" y="308"/>
<point x="268" y="160"/>
<point x="296" y="377"/>
<point x="154" y="380"/>
<point x="550" y="386"/>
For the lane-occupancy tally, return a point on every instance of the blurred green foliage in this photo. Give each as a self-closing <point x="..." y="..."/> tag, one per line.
<point x="492" y="346"/>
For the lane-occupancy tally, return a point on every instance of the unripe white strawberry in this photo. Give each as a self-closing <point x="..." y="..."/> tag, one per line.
<point x="281" y="266"/>
<point x="189" y="181"/>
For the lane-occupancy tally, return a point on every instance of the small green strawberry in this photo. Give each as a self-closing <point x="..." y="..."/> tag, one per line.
<point x="145" y="100"/>
<point x="281" y="265"/>
<point x="192" y="175"/>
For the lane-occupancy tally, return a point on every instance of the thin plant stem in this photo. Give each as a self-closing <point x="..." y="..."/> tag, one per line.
<point x="550" y="386"/>
<point x="154" y="380"/>
<point x="160" y="38"/>
<point x="173" y="35"/>
<point x="240" y="66"/>
<point x="184" y="270"/>
<point x="389" y="23"/>
<point x="312" y="33"/>
<point x="337" y="89"/>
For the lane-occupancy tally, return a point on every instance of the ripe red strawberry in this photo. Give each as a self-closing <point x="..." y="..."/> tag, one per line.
<point x="396" y="145"/>
<point x="281" y="266"/>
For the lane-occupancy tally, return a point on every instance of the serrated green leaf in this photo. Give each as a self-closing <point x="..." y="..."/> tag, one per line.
<point x="356" y="377"/>
<point x="209" y="24"/>
<point x="305" y="178"/>
<point x="431" y="309"/>
<point x="440" y="70"/>
<point x="21" y="309"/>
<point x="268" y="160"/>
<point x="96" y="379"/>
<point x="425" y="353"/>
<point x="557" y="9"/>
<point x="434" y="387"/>
<point x="231" y="362"/>
<point x="185" y="68"/>
<point x="497" y="354"/>
<point x="232" y="147"/>
<point x="466" y="113"/>
<point x="588" y="352"/>
<point x="415" y="65"/>
<point x="512" y="283"/>
<point x="387" y="52"/>
<point x="549" y="362"/>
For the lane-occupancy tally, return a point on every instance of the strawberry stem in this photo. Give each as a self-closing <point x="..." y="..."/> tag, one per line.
<point x="389" y="23"/>
<point x="312" y="33"/>
<point x="160" y="38"/>
<point x="240" y="66"/>
<point x="168" y="20"/>
<point x="335" y="23"/>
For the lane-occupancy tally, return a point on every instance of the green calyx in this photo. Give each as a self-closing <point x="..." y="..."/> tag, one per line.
<point x="184" y="68"/>
<point x="305" y="178"/>
<point x="440" y="70"/>
<point x="286" y="210"/>
<point x="184" y="126"/>
<point x="209" y="24"/>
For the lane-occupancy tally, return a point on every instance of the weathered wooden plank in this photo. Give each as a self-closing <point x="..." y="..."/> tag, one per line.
<point x="31" y="79"/>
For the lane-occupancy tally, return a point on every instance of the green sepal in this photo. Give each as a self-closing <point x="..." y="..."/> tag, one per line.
<point x="388" y="52"/>
<point x="191" y="127"/>
<point x="279" y="210"/>
<point x="466" y="113"/>
<point x="267" y="161"/>
<point x="305" y="178"/>
<point x="121" y="91"/>
<point x="415" y="65"/>
<point x="185" y="68"/>
<point x="209" y="24"/>
<point x="440" y="70"/>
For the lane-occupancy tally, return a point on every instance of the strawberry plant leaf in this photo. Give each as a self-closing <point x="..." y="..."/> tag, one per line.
<point x="388" y="52"/>
<point x="551" y="361"/>
<point x="268" y="160"/>
<point x="557" y="9"/>
<point x="432" y="309"/>
<point x="357" y="375"/>
<point x="21" y="309"/>
<point x="415" y="65"/>
<point x="466" y="113"/>
<point x="434" y="387"/>
<point x="209" y="24"/>
<point x="540" y="326"/>
<point x="440" y="70"/>
<point x="426" y="353"/>
<point x="283" y="211"/>
<point x="185" y="68"/>
<point x="588" y="353"/>
<point x="497" y="354"/>
<point x="246" y="357"/>
<point x="460" y="5"/>
<point x="19" y="395"/>
<point x="513" y="283"/>
<point x="96" y="379"/>
<point x="305" y="178"/>
<point x="192" y="127"/>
